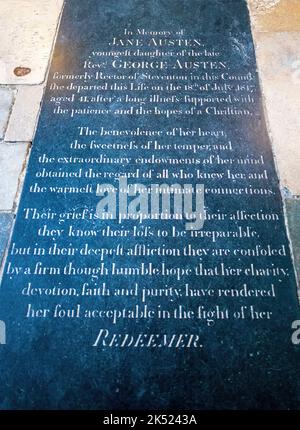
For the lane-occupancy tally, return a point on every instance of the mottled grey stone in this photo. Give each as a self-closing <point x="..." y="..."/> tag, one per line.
<point x="6" y="101"/>
<point x="293" y="216"/>
<point x="6" y="220"/>
<point x="26" y="33"/>
<point x="12" y="159"/>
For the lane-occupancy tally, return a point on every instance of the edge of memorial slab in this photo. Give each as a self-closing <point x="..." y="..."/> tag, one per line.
<point x="13" y="213"/>
<point x="286" y="196"/>
<point x="289" y="199"/>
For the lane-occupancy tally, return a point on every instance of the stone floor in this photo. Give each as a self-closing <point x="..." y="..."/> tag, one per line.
<point x="276" y="32"/>
<point x="27" y="37"/>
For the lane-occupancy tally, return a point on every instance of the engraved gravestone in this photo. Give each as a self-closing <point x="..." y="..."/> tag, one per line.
<point x="149" y="266"/>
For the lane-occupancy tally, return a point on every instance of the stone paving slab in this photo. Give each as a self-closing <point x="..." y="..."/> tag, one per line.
<point x="27" y="29"/>
<point x="6" y="220"/>
<point x="12" y="157"/>
<point x="6" y="102"/>
<point x="24" y="114"/>
<point x="278" y="57"/>
<point x="276" y="15"/>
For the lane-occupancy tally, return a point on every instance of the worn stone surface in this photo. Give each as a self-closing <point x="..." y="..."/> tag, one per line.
<point x="276" y="15"/>
<point x="293" y="216"/>
<point x="244" y="260"/>
<point x="12" y="158"/>
<point x="6" y="102"/>
<point x="262" y="6"/>
<point x="27" y="29"/>
<point x="6" y="220"/>
<point x="278" y="56"/>
<point x="24" y="114"/>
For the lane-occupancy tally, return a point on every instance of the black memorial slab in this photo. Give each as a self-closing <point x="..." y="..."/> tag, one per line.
<point x="155" y="311"/>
